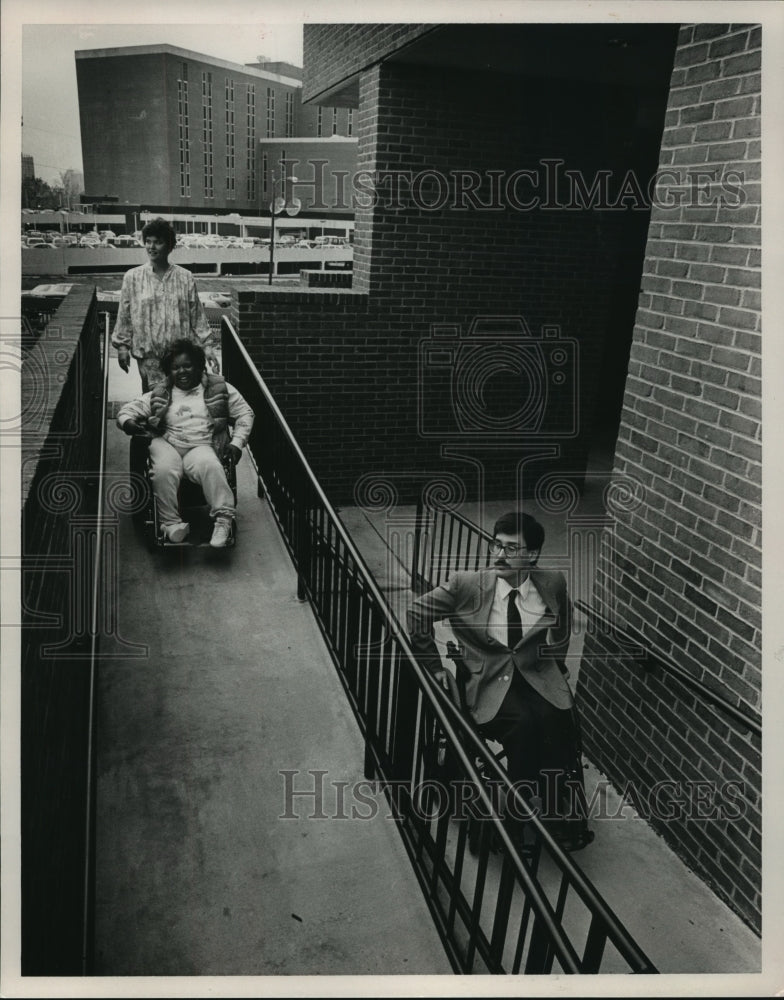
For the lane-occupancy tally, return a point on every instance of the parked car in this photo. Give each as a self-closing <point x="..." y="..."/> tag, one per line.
<point x="36" y="241"/>
<point x="220" y="300"/>
<point x="125" y="243"/>
<point x="331" y="241"/>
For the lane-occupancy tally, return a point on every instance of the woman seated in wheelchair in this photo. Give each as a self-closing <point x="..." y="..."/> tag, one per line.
<point x="187" y="417"/>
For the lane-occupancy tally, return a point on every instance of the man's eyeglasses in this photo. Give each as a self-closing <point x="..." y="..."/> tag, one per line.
<point x="509" y="550"/>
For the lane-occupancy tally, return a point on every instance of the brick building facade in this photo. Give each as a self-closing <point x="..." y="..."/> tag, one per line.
<point x="171" y="129"/>
<point x="683" y="570"/>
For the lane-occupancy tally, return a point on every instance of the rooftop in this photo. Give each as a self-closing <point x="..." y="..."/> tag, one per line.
<point x="163" y="48"/>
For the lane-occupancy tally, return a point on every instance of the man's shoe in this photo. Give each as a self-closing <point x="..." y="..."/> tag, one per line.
<point x="221" y="533"/>
<point x="570" y="842"/>
<point x="177" y="532"/>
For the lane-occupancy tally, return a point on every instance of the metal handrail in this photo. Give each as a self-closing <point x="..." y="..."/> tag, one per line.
<point x="93" y="656"/>
<point x="449" y="721"/>
<point x="626" y="636"/>
<point x="751" y="722"/>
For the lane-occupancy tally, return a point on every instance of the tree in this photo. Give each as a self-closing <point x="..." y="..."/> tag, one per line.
<point x="38" y="194"/>
<point x="71" y="182"/>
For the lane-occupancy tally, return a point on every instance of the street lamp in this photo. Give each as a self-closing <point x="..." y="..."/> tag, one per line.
<point x="278" y="205"/>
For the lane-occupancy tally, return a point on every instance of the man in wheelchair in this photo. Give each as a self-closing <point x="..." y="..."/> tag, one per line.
<point x="513" y="623"/>
<point x="187" y="417"/>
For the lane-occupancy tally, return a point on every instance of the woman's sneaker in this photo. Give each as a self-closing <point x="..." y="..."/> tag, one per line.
<point x="177" y="532"/>
<point x="221" y="533"/>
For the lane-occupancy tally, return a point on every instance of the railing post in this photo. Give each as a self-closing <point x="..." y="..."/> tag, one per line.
<point x="418" y="583"/>
<point x="302" y="539"/>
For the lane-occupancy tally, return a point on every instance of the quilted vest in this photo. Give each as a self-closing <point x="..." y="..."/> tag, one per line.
<point x="216" y="399"/>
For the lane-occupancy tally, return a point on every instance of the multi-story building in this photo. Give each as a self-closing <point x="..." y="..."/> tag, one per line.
<point x="28" y="167"/>
<point x="173" y="130"/>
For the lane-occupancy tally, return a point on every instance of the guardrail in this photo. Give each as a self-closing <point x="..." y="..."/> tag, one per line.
<point x="493" y="912"/>
<point x="63" y="610"/>
<point x="88" y="920"/>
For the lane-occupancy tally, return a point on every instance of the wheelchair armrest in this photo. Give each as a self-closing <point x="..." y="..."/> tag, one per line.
<point x="453" y="689"/>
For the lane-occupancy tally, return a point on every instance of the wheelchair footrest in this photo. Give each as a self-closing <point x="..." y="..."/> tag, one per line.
<point x="197" y="540"/>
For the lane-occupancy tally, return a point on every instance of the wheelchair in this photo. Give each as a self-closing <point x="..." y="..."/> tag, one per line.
<point x="193" y="505"/>
<point x="455" y="689"/>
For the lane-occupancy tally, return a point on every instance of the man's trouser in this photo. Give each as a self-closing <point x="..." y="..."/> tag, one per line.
<point x="541" y="743"/>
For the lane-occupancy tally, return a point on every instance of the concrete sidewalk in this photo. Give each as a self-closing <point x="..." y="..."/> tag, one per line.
<point x="673" y="916"/>
<point x="197" y="870"/>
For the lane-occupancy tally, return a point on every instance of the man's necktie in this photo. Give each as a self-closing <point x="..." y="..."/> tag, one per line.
<point x="514" y="623"/>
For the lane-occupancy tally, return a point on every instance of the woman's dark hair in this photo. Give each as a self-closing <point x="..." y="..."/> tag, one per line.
<point x="194" y="351"/>
<point x="518" y="523"/>
<point x="163" y="230"/>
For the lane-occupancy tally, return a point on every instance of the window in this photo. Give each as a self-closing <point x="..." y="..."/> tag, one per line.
<point x="334" y="121"/>
<point x="206" y="134"/>
<point x="270" y="113"/>
<point x="289" y="113"/>
<point x="350" y="122"/>
<point x="320" y="122"/>
<point x="229" y="117"/>
<point x="250" y="118"/>
<point x="183" y="132"/>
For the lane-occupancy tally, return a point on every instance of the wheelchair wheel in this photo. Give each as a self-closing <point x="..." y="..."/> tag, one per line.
<point x="137" y="467"/>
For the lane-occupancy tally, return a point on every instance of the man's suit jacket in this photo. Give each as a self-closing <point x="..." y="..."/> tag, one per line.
<point x="465" y="601"/>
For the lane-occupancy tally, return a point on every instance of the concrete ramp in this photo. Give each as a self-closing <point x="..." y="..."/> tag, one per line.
<point x="205" y="866"/>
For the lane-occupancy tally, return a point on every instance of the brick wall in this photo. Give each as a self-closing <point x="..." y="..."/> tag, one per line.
<point x="61" y="392"/>
<point x="683" y="571"/>
<point x="383" y="407"/>
<point x="333" y="53"/>
<point x="323" y="279"/>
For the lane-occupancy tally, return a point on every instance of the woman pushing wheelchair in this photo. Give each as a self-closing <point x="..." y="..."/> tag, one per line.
<point x="186" y="417"/>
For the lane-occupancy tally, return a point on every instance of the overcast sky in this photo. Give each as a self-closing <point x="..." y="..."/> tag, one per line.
<point x="50" y="105"/>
